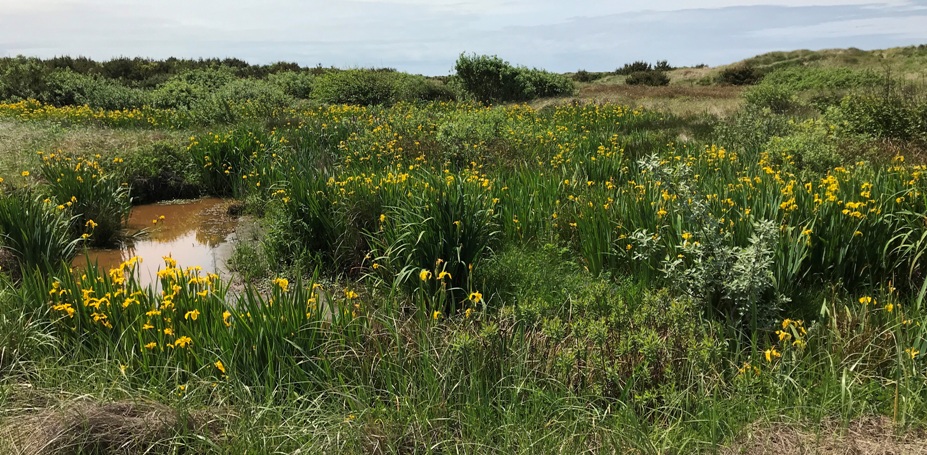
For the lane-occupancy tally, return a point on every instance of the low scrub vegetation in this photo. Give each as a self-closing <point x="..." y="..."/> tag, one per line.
<point x="490" y="79"/>
<point x="440" y="275"/>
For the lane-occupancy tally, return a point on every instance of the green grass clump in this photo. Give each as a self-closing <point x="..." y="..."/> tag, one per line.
<point x="35" y="231"/>
<point x="97" y="196"/>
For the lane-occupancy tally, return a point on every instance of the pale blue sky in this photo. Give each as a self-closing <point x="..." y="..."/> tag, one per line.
<point x="426" y="36"/>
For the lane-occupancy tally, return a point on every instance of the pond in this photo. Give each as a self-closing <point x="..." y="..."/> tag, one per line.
<point x="194" y="232"/>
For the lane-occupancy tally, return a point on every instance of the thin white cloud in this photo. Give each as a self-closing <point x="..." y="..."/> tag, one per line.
<point x="909" y="27"/>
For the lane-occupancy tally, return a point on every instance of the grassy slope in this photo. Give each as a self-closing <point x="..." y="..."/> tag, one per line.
<point x="686" y="94"/>
<point x="19" y="142"/>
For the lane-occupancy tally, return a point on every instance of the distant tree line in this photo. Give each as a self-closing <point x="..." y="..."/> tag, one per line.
<point x="210" y="86"/>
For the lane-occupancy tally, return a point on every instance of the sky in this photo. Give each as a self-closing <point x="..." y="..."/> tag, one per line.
<point x="427" y="36"/>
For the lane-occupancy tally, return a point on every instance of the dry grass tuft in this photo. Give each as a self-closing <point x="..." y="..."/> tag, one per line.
<point x="94" y="428"/>
<point x="866" y="436"/>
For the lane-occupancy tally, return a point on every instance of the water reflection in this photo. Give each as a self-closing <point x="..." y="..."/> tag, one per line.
<point x="194" y="233"/>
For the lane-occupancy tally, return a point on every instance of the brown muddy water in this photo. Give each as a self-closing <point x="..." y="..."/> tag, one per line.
<point x="195" y="233"/>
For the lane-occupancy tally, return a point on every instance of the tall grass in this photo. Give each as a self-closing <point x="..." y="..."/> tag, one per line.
<point x="35" y="231"/>
<point x="98" y="197"/>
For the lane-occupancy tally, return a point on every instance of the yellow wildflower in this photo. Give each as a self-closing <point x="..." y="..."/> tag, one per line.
<point x="183" y="342"/>
<point x="282" y="283"/>
<point x="772" y="353"/>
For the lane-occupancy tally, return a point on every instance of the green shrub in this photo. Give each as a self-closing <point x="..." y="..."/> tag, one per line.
<point x="542" y="84"/>
<point x="207" y="78"/>
<point x="23" y="78"/>
<point x="740" y="75"/>
<point x="493" y="80"/>
<point x="294" y="83"/>
<point x="489" y="79"/>
<point x="586" y="76"/>
<point x="663" y="65"/>
<point x="252" y="97"/>
<point x="186" y="90"/>
<point x="811" y="147"/>
<point x="751" y="128"/>
<point x="635" y="67"/>
<point x="66" y="87"/>
<point x="777" y="99"/>
<point x="354" y="87"/>
<point x="369" y="87"/>
<point x="652" y="78"/>
<point x="178" y="94"/>
<point x="887" y="115"/>
<point x="458" y="136"/>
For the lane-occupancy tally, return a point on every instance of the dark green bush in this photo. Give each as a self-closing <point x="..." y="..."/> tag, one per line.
<point x="22" y="78"/>
<point x="186" y="90"/>
<point x="740" y="75"/>
<point x="773" y="97"/>
<point x="256" y="97"/>
<point x="631" y="68"/>
<point x="294" y="83"/>
<point x="370" y="87"/>
<point x="489" y="79"/>
<point x="66" y="87"/>
<point x="208" y="78"/>
<point x="663" y="65"/>
<point x="587" y="76"/>
<point x="542" y="84"/>
<point x="178" y="94"/>
<point x="751" y="128"/>
<point x="812" y="147"/>
<point x="411" y="88"/>
<point x="492" y="80"/>
<point x="890" y="115"/>
<point x="652" y="78"/>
